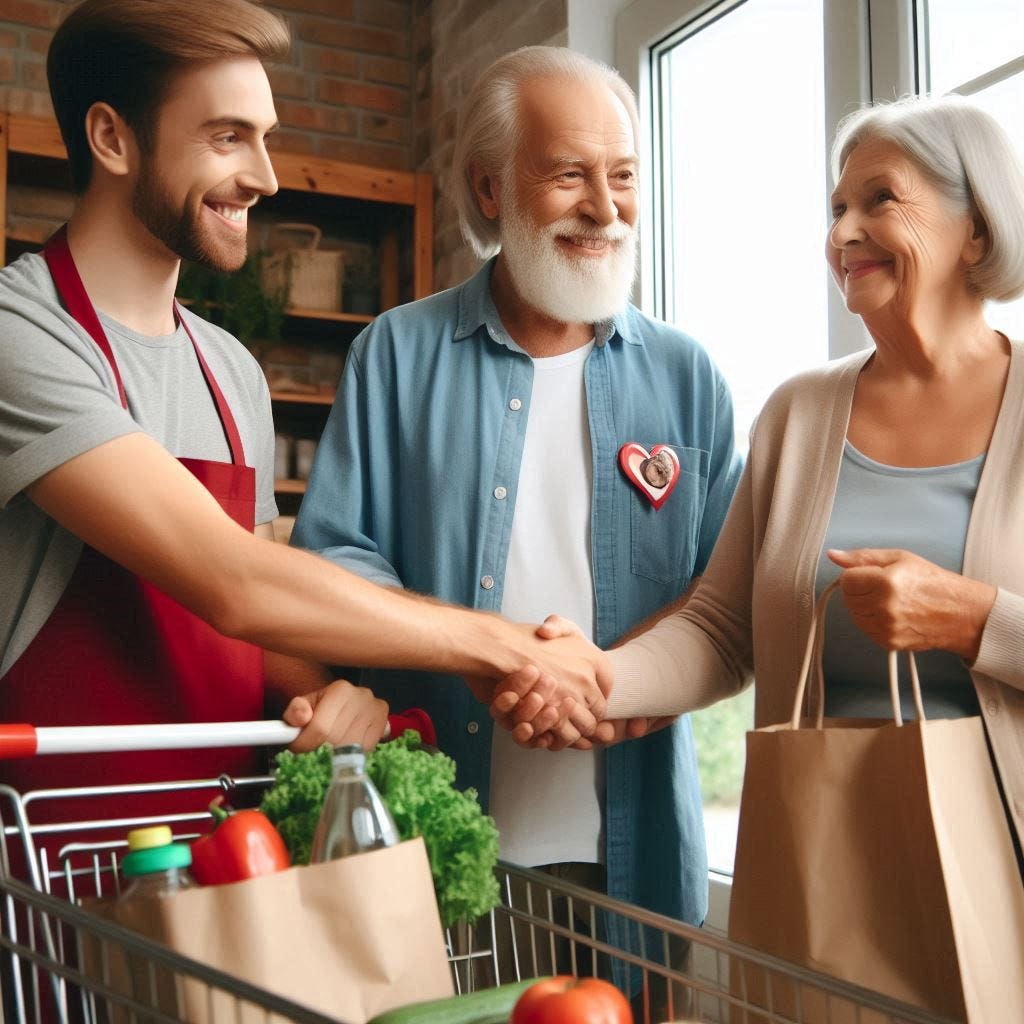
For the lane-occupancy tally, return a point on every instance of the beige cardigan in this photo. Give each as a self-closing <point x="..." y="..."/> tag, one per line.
<point x="752" y="609"/>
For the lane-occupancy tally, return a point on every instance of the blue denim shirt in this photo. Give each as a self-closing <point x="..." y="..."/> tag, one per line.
<point x="429" y="423"/>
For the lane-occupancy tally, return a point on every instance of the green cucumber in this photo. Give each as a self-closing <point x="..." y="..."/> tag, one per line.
<point x="488" y="1006"/>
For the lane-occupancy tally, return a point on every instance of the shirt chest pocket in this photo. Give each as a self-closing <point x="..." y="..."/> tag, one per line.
<point x="664" y="541"/>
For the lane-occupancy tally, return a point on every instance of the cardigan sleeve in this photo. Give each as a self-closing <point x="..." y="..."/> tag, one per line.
<point x="702" y="653"/>
<point x="1001" y="655"/>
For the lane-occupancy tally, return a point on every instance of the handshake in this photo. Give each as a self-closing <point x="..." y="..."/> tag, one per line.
<point x="558" y="699"/>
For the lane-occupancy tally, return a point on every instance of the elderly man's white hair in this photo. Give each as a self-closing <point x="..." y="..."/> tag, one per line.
<point x="490" y="131"/>
<point x="969" y="157"/>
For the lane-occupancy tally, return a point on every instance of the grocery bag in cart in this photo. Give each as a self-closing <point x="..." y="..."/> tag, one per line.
<point x="879" y="852"/>
<point x="349" y="938"/>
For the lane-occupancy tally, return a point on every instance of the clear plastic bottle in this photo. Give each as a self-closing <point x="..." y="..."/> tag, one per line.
<point x="354" y="818"/>
<point x="155" y="865"/>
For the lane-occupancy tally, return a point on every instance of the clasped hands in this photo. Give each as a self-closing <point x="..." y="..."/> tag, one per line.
<point x="559" y="699"/>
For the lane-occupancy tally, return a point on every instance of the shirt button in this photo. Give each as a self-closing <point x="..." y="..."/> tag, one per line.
<point x="515" y="404"/>
<point x="500" y="493"/>
<point x="473" y="728"/>
<point x="992" y="707"/>
<point x="487" y="583"/>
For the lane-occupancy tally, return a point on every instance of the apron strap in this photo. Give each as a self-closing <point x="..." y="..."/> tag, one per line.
<point x="224" y="411"/>
<point x="76" y="300"/>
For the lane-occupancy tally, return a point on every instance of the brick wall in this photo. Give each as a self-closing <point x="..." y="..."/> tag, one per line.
<point x="346" y="92"/>
<point x="453" y="41"/>
<point x="373" y="81"/>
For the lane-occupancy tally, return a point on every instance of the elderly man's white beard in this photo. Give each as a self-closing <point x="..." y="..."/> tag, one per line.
<point x="571" y="290"/>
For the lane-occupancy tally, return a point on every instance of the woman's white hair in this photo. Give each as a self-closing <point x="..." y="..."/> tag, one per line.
<point x="969" y="157"/>
<point x="490" y="131"/>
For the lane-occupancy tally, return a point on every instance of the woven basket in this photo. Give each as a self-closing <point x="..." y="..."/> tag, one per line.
<point x="307" y="276"/>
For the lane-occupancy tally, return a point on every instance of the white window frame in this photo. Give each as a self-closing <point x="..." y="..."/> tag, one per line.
<point x="870" y="53"/>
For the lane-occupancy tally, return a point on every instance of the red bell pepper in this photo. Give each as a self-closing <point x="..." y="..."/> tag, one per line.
<point x="243" y="844"/>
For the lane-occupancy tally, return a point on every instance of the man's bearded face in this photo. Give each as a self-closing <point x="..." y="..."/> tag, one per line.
<point x="565" y="287"/>
<point x="183" y="225"/>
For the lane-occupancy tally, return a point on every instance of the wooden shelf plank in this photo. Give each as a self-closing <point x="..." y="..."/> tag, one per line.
<point x="289" y="486"/>
<point x="40" y="136"/>
<point x="333" y="178"/>
<point x="37" y="136"/>
<point x="300" y="398"/>
<point x="5" y="140"/>
<point x="321" y="314"/>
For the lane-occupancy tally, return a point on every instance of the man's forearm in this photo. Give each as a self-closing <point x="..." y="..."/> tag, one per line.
<point x="299" y="604"/>
<point x="285" y="676"/>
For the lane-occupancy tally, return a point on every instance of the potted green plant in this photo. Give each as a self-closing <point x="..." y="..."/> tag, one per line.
<point x="235" y="301"/>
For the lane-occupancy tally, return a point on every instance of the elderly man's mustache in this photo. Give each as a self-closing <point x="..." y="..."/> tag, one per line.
<point x="577" y="227"/>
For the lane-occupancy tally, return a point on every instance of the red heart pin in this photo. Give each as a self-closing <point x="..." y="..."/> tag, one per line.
<point x="654" y="474"/>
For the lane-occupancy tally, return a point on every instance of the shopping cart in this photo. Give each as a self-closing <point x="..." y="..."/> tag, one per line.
<point x="544" y="925"/>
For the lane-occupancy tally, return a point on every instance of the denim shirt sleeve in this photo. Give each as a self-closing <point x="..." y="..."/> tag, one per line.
<point x="342" y="509"/>
<point x="726" y="467"/>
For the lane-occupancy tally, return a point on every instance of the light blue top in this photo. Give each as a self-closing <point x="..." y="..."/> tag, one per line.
<point x="415" y="484"/>
<point x="925" y="511"/>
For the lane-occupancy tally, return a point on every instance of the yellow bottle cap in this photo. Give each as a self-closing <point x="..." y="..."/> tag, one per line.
<point x="147" y="838"/>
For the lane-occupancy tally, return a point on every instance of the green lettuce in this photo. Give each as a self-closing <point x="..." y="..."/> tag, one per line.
<point x="419" y="789"/>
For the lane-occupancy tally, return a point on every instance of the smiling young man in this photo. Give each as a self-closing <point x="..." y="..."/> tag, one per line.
<point x="136" y="441"/>
<point x="478" y="451"/>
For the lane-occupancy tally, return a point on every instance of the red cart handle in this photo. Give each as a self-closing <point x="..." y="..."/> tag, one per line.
<point x="17" y="740"/>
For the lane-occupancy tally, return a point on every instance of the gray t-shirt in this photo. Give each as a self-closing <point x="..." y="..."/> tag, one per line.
<point x="58" y="399"/>
<point x="921" y="510"/>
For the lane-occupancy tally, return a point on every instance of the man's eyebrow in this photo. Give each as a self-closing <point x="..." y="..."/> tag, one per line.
<point x="238" y="123"/>
<point x="576" y="159"/>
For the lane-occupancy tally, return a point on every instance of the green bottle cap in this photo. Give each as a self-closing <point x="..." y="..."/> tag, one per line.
<point x="156" y="858"/>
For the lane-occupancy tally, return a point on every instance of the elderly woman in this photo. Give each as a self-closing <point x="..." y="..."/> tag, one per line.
<point x="900" y="469"/>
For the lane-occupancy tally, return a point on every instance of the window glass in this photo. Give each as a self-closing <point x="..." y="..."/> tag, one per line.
<point x="743" y="189"/>
<point x="967" y="38"/>
<point x="742" y="221"/>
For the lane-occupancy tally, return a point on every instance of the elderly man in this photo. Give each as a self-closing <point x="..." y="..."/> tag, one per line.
<point x="486" y="447"/>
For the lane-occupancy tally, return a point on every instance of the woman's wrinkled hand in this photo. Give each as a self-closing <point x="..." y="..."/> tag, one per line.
<point x="905" y="603"/>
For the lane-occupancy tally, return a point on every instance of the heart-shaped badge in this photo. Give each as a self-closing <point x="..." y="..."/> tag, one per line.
<point x="654" y="474"/>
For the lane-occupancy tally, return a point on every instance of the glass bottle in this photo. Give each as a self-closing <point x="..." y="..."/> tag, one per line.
<point x="155" y="865"/>
<point x="354" y="818"/>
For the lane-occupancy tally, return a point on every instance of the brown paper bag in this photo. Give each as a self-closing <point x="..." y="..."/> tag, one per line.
<point x="351" y="938"/>
<point x="878" y="853"/>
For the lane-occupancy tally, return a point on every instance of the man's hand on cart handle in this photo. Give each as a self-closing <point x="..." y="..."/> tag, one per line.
<point x="339" y="713"/>
<point x="23" y="740"/>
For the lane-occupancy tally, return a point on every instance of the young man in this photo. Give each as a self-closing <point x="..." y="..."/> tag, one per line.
<point x="136" y="443"/>
<point x="475" y="452"/>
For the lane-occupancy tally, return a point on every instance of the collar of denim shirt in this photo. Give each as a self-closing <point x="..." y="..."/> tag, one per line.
<point x="477" y="309"/>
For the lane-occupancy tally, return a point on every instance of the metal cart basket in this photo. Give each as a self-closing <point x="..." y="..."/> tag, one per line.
<point x="673" y="972"/>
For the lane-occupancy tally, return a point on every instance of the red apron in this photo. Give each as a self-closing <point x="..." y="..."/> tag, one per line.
<point x="116" y="650"/>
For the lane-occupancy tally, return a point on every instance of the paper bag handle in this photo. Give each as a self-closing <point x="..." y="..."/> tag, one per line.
<point x="815" y="651"/>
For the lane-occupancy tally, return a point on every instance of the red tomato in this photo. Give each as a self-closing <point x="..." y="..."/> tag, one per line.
<point x="568" y="1000"/>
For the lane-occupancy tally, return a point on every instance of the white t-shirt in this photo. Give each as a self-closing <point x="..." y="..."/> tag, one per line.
<point x="548" y="806"/>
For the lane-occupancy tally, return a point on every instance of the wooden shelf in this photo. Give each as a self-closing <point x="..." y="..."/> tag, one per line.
<point x="301" y="398"/>
<point x="289" y="486"/>
<point x="36" y="136"/>
<point x="320" y="314"/>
